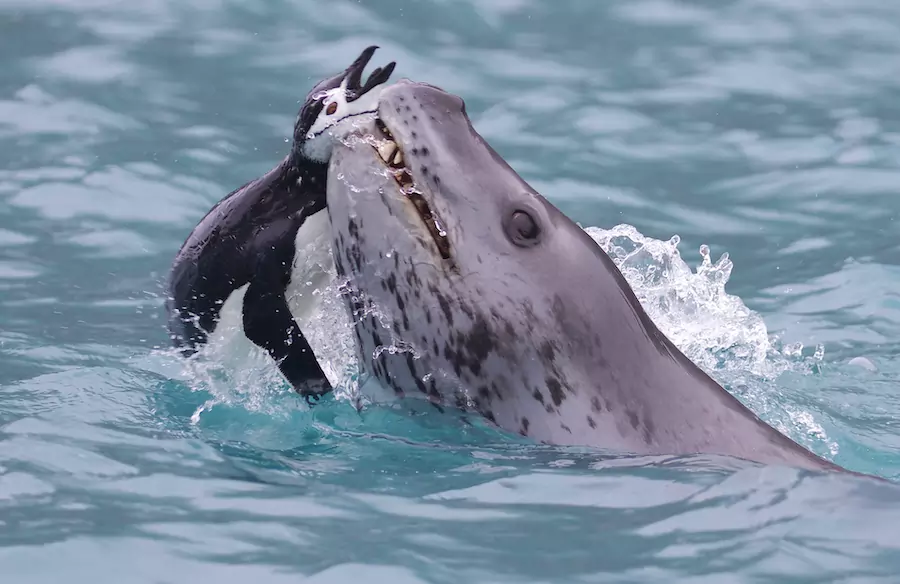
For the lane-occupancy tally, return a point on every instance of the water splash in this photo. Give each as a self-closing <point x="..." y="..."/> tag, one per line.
<point x="715" y="329"/>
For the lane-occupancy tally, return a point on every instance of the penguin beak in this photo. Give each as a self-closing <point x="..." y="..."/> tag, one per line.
<point x="354" y="75"/>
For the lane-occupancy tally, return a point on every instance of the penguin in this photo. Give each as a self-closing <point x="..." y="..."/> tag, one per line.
<point x="244" y="251"/>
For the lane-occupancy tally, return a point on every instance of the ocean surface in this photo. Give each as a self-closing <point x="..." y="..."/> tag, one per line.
<point x="740" y="159"/>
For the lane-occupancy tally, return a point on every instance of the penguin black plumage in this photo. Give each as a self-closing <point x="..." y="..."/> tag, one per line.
<point x="246" y="244"/>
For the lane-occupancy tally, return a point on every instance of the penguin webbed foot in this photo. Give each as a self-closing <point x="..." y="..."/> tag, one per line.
<point x="313" y="391"/>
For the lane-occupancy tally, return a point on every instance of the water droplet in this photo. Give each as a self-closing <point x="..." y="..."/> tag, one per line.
<point x="820" y="352"/>
<point x="440" y="228"/>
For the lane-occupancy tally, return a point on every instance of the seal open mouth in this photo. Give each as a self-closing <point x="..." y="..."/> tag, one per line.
<point x="391" y="154"/>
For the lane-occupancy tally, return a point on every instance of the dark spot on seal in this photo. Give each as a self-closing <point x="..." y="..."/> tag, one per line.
<point x="547" y="352"/>
<point x="591" y="422"/>
<point x="496" y="390"/>
<point x="566" y="428"/>
<point x="392" y="283"/>
<point x="556" y="391"/>
<point x="633" y="418"/>
<point x="421" y="385"/>
<point x="525" y="425"/>
<point x="595" y="404"/>
<point x="538" y="395"/>
<point x="453" y="357"/>
<point x="432" y="389"/>
<point x="480" y="340"/>
<point x="445" y="306"/>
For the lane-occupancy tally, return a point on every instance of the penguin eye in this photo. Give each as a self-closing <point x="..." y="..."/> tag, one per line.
<point x="332" y="107"/>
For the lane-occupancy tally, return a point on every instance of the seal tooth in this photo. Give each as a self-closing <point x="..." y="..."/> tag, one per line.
<point x="386" y="150"/>
<point x="398" y="158"/>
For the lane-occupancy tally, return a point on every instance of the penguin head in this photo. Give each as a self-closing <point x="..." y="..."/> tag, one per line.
<point x="334" y="105"/>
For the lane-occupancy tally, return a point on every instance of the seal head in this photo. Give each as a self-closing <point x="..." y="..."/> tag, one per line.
<point x="469" y="288"/>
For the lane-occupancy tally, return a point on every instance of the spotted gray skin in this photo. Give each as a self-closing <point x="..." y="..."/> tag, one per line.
<point x="547" y="340"/>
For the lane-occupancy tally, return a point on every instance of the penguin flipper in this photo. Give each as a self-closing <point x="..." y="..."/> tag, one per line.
<point x="269" y="324"/>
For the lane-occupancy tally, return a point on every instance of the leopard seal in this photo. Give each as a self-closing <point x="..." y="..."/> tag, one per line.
<point x="468" y="288"/>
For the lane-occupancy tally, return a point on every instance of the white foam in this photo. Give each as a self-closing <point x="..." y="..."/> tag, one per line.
<point x="713" y="328"/>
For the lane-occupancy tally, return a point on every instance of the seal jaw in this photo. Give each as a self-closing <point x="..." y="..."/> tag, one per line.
<point x="390" y="153"/>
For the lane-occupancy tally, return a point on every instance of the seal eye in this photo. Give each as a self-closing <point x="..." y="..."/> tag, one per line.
<point x="332" y="107"/>
<point x="523" y="229"/>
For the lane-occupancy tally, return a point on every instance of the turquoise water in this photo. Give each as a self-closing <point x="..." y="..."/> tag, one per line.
<point x="766" y="129"/>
